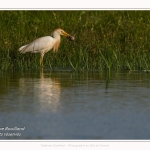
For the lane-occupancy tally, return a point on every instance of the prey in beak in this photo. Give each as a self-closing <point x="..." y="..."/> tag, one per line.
<point x="71" y="38"/>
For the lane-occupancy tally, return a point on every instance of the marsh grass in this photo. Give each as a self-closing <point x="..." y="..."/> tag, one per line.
<point x="104" y="40"/>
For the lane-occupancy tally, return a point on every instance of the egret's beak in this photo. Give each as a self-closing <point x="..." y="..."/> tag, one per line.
<point x="65" y="34"/>
<point x="69" y="37"/>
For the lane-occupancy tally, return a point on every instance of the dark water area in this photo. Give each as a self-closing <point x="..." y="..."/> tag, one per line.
<point x="66" y="105"/>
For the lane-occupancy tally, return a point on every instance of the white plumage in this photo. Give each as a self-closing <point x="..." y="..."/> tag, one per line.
<point x="44" y="44"/>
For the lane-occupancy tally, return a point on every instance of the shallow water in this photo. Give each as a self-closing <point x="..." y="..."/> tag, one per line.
<point x="66" y="105"/>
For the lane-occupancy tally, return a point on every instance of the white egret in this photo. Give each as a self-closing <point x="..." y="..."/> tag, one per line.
<point x="44" y="44"/>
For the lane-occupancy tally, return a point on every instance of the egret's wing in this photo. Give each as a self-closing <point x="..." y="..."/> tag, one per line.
<point x="22" y="47"/>
<point x="38" y="45"/>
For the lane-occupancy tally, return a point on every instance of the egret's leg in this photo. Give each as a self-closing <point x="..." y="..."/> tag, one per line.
<point x="41" y="59"/>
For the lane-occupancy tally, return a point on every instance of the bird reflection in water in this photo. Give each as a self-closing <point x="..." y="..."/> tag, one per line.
<point x="43" y="92"/>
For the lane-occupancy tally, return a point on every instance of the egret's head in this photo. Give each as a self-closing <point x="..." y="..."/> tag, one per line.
<point x="61" y="32"/>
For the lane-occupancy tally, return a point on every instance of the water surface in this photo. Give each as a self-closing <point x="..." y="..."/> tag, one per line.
<point x="66" y="105"/>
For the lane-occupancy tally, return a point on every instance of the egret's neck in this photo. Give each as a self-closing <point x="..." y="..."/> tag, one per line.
<point x="56" y="35"/>
<point x="56" y="42"/>
<point x="56" y="39"/>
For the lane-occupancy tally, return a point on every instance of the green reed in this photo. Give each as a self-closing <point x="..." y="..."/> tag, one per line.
<point x="104" y="40"/>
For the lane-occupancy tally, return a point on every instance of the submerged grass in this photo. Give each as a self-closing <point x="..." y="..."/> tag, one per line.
<point x="104" y="40"/>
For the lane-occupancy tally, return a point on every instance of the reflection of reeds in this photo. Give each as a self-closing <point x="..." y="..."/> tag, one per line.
<point x="113" y="40"/>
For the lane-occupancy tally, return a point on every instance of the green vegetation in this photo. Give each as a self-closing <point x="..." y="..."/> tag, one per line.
<point x="113" y="40"/>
